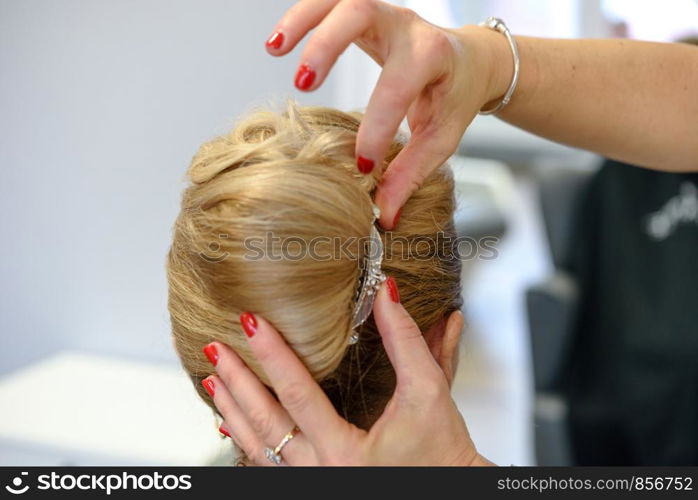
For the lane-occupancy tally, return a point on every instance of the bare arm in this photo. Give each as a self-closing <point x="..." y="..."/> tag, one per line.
<point x="632" y="101"/>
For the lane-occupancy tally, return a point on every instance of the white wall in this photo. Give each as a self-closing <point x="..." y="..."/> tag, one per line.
<point x="102" y="105"/>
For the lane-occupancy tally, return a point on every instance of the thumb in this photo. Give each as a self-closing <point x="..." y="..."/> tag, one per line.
<point x="403" y="341"/>
<point x="420" y="157"/>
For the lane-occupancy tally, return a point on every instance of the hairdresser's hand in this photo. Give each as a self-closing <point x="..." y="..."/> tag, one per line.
<point x="438" y="78"/>
<point x="420" y="426"/>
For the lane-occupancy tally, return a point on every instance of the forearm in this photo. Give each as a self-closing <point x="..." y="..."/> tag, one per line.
<point x="632" y="101"/>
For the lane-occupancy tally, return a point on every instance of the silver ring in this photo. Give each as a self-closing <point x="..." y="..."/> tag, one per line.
<point x="274" y="456"/>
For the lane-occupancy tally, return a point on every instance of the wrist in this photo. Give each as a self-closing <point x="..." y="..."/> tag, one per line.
<point x="495" y="66"/>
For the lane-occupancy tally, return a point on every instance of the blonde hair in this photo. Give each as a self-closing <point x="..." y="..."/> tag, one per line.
<point x="293" y="175"/>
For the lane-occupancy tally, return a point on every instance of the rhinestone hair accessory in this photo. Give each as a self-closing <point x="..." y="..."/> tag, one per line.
<point x="373" y="276"/>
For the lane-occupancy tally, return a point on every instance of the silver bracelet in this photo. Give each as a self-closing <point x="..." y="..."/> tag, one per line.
<point x="497" y="24"/>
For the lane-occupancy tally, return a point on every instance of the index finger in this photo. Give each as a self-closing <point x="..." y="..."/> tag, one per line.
<point x="296" y="389"/>
<point x="423" y="153"/>
<point x="387" y="107"/>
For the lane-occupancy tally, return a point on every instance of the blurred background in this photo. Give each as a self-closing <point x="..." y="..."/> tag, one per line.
<point x="103" y="104"/>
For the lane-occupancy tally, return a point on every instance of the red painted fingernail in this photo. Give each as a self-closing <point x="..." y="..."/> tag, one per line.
<point x="365" y="165"/>
<point x="209" y="386"/>
<point x="397" y="218"/>
<point x="211" y="353"/>
<point x="275" y="40"/>
<point x="249" y="323"/>
<point x="223" y="431"/>
<point x="392" y="290"/>
<point x="305" y="77"/>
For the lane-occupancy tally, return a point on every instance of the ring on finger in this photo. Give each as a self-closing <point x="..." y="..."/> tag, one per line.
<point x="274" y="455"/>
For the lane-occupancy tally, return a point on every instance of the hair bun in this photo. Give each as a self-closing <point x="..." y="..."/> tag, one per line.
<point x="297" y="136"/>
<point x="293" y="176"/>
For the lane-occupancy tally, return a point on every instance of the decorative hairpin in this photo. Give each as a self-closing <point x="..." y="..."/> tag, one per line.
<point x="372" y="279"/>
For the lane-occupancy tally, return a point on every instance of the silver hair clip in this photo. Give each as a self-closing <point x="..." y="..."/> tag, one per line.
<point x="371" y="282"/>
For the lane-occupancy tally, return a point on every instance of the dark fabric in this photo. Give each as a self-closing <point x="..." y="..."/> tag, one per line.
<point x="632" y="380"/>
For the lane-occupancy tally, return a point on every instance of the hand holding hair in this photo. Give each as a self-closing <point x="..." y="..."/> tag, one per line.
<point x="420" y="426"/>
<point x="428" y="77"/>
<point x="627" y="100"/>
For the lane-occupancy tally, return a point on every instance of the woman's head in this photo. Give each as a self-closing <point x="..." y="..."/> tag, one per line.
<point x="274" y="223"/>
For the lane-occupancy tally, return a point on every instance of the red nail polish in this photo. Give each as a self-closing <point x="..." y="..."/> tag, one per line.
<point x="223" y="431"/>
<point x="275" y="40"/>
<point x="397" y="218"/>
<point x="392" y="290"/>
<point x="211" y="353"/>
<point x="365" y="165"/>
<point x="209" y="386"/>
<point x="305" y="77"/>
<point x="249" y="323"/>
